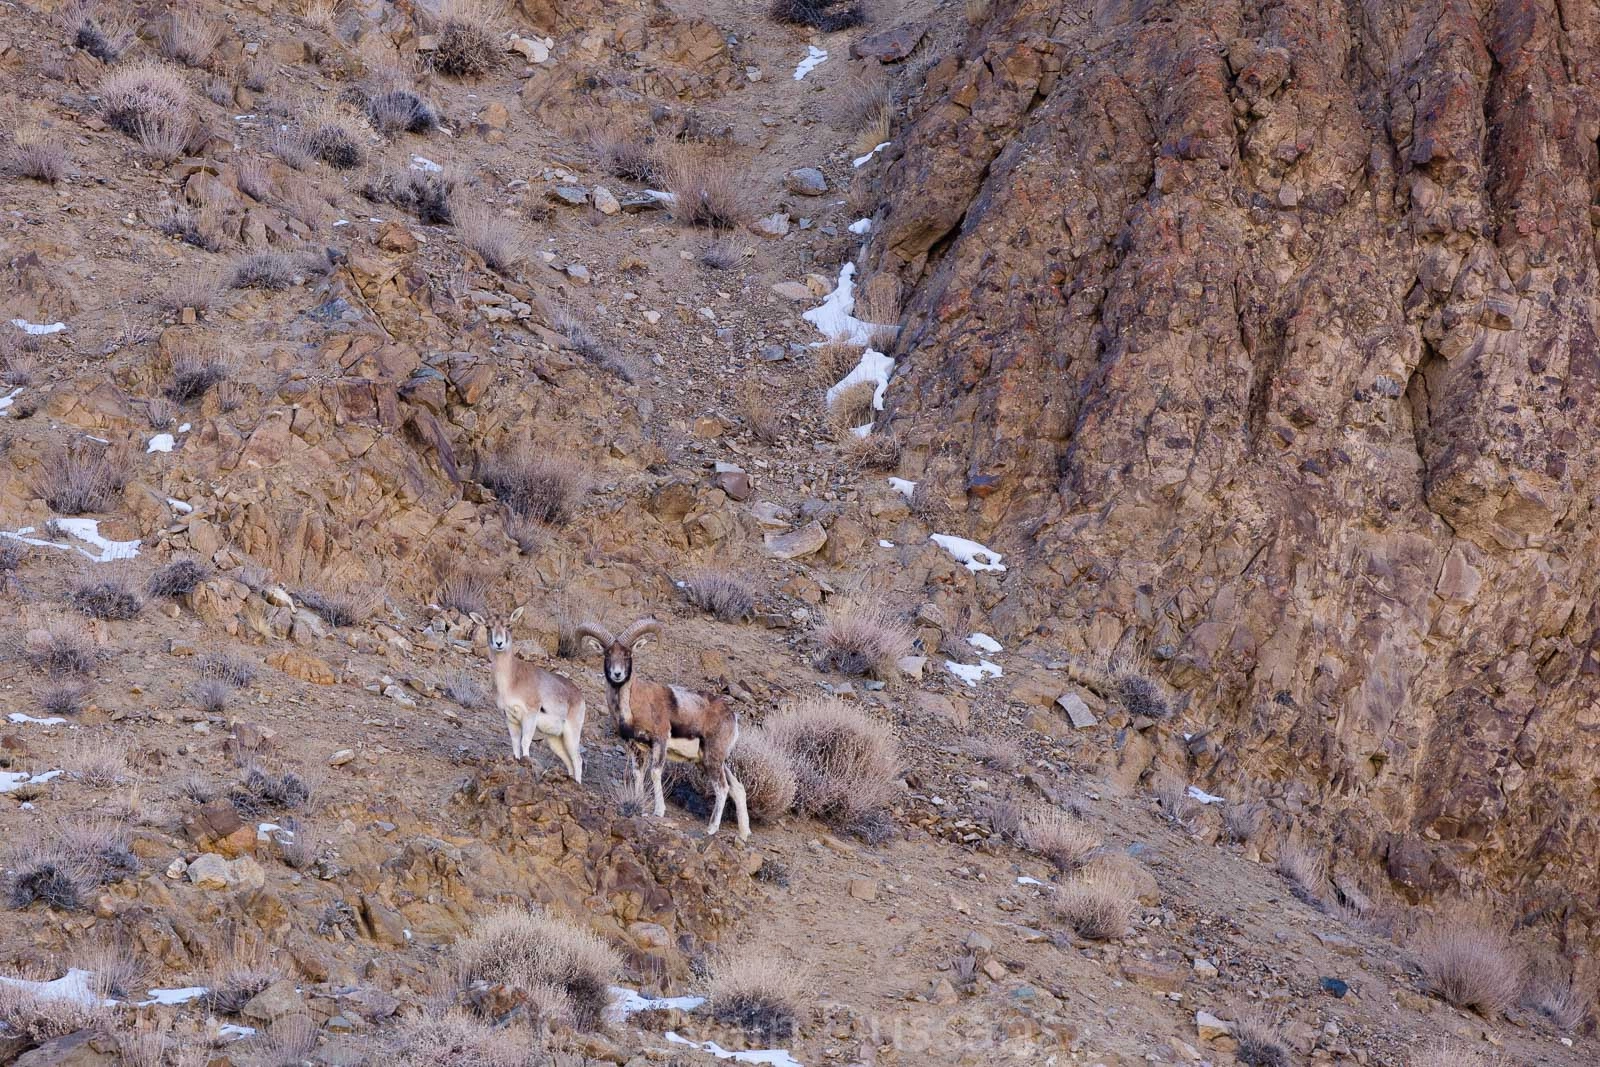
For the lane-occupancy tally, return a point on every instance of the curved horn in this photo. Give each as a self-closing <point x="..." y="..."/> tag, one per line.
<point x="595" y="632"/>
<point x="639" y="629"/>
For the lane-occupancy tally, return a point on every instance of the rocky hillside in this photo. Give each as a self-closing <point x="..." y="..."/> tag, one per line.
<point x="956" y="384"/>
<point x="1265" y="329"/>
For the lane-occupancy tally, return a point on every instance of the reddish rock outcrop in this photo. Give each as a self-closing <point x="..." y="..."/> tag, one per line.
<point x="1267" y="331"/>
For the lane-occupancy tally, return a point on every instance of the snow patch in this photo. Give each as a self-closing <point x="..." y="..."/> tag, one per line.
<point x="885" y="544"/>
<point x="18" y="717"/>
<point x="874" y="367"/>
<point x="161" y="442"/>
<point x="861" y="161"/>
<point x="10" y="398"/>
<point x="861" y="226"/>
<point x="179" y="506"/>
<point x="969" y="553"/>
<point x="85" y="530"/>
<point x="814" y="56"/>
<point x="11" y="781"/>
<point x="184" y="428"/>
<point x="233" y="1031"/>
<point x="174" y="996"/>
<point x="1025" y="880"/>
<point x="75" y="985"/>
<point x="903" y="487"/>
<point x="773" y="1057"/>
<point x="426" y="165"/>
<point x="983" y="642"/>
<point x="1196" y="793"/>
<point x="972" y="675"/>
<point x="834" y="319"/>
<point x="624" y="1002"/>
<point x="38" y="329"/>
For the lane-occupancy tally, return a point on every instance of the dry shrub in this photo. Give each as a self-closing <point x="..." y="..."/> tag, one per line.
<point x="498" y="241"/>
<point x="151" y="95"/>
<point x="878" y="299"/>
<point x="65" y="699"/>
<point x="539" y="485"/>
<point x="767" y="773"/>
<point x="456" y="1039"/>
<point x="86" y="477"/>
<point x="218" y="90"/>
<point x="1562" y="992"/>
<point x="832" y="361"/>
<point x="119" y="970"/>
<point x="1469" y="960"/>
<point x="331" y="139"/>
<point x="340" y="606"/>
<point x="464" y="590"/>
<point x="977" y="11"/>
<point x="1096" y="904"/>
<point x="60" y="865"/>
<point x="582" y="341"/>
<point x="12" y="553"/>
<point x="722" y="593"/>
<point x="201" y="227"/>
<point x="845" y="763"/>
<point x="255" y="73"/>
<point x="852" y="406"/>
<point x="111" y="598"/>
<point x="759" y="993"/>
<point x="239" y="973"/>
<point x="626" y="153"/>
<point x="37" y="1019"/>
<point x="233" y="671"/>
<point x="103" y="37"/>
<point x="291" y="146"/>
<point x="862" y="638"/>
<point x="1129" y="681"/>
<point x="1000" y="753"/>
<point x="261" y="792"/>
<point x="321" y="14"/>
<point x="211" y="695"/>
<point x="1177" y="806"/>
<point x="760" y="416"/>
<point x="1242" y="819"/>
<point x="188" y="36"/>
<point x="828" y="16"/>
<point x="873" y="131"/>
<point x="262" y="270"/>
<point x="858" y="102"/>
<point x="1002" y="815"/>
<point x="1063" y="840"/>
<point x="539" y="954"/>
<point x="528" y="535"/>
<point x="1440" y="1054"/>
<point x="36" y="157"/>
<point x="629" y="797"/>
<point x="189" y="290"/>
<point x="63" y="649"/>
<point x="160" y="412"/>
<point x="467" y="38"/>
<point x="426" y="194"/>
<point x="465" y="689"/>
<point x="178" y="578"/>
<point x="1259" y="1034"/>
<point x="194" y="374"/>
<point x="708" y="188"/>
<point x="1306" y="871"/>
<point x="100" y="764"/>
<point x="720" y="255"/>
<point x="396" y="110"/>
<point x="255" y="179"/>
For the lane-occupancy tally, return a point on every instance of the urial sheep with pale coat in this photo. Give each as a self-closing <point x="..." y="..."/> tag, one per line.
<point x="535" y="702"/>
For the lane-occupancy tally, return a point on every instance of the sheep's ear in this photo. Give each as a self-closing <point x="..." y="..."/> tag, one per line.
<point x="478" y="618"/>
<point x="640" y="641"/>
<point x="515" y="615"/>
<point x="591" y="639"/>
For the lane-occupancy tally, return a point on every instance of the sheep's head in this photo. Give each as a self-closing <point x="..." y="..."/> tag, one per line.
<point x="499" y="629"/>
<point x="619" y="650"/>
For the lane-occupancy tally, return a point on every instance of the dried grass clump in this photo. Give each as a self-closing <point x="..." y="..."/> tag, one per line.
<point x="465" y="689"/>
<point x="160" y="412"/>
<point x="321" y="14"/>
<point x="202" y="228"/>
<point x="464" y="590"/>
<point x="64" y="648"/>
<point x="539" y="485"/>
<point x="1242" y="819"/>
<point x="1000" y="753"/>
<point x="236" y="978"/>
<point x="342" y="607"/>
<point x="99" y="764"/>
<point x="37" y="158"/>
<point x="149" y="95"/>
<point x="537" y="953"/>
<point x="498" y="241"/>
<point x="194" y="374"/>
<point x="722" y="593"/>
<point x="846" y="765"/>
<point x="852" y="406"/>
<point x="1306" y="871"/>
<point x="178" y="578"/>
<point x="426" y="194"/>
<point x="761" y="417"/>
<point x="103" y="37"/>
<point x="262" y="270"/>
<point x="59" y="866"/>
<point x="1063" y="840"/>
<point x="110" y="598"/>
<point x="84" y="478"/>
<point x="334" y="142"/>
<point x="467" y="44"/>
<point x="65" y="699"/>
<point x="1441" y="1054"/>
<point x="720" y="255"/>
<point x="828" y="16"/>
<point x="832" y="361"/>
<point x="37" y="1019"/>
<point x="1470" y="961"/>
<point x="767" y="773"/>
<point x="626" y="153"/>
<point x="255" y="180"/>
<point x="759" y="993"/>
<point x="189" y="37"/>
<point x="708" y="188"/>
<point x="291" y="146"/>
<point x="189" y="290"/>
<point x="232" y="670"/>
<point x="1562" y="992"/>
<point x="211" y="695"/>
<point x="12" y="553"/>
<point x="1096" y="904"/>
<point x="1260" y="1037"/>
<point x="119" y="971"/>
<point x="860" y="638"/>
<point x="261" y="792"/>
<point x="456" y="1039"/>
<point x="582" y="341"/>
<point x="395" y="110"/>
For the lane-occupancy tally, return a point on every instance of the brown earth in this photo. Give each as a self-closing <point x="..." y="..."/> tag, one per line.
<point x="1178" y="199"/>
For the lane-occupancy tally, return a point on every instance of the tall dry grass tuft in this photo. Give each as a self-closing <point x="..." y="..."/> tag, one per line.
<point x="1063" y="840"/>
<point x="1306" y="871"/>
<point x="846" y="764"/>
<point x="1097" y="903"/>
<point x="1469" y="960"/>
<point x="467" y="38"/>
<point x="553" y="962"/>
<point x="708" y="188"/>
<point x="759" y="992"/>
<point x="862" y="638"/>
<point x="499" y="241"/>
<point x="535" y="484"/>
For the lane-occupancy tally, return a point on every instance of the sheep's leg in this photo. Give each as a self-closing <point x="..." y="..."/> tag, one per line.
<point x="516" y="737"/>
<point x="719" y="788"/>
<point x="740" y="811"/>
<point x="658" y="760"/>
<point x="574" y="738"/>
<point x="530" y="729"/>
<point x="641" y="758"/>
<point x="557" y="745"/>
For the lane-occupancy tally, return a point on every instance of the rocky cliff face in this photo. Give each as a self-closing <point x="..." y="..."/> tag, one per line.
<point x="1268" y="330"/>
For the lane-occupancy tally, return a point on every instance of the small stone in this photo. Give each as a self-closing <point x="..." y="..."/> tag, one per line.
<point x="735" y="483"/>
<point x="802" y="542"/>
<point x="889" y="46"/>
<point x="1210" y="1027"/>
<point x="1078" y="712"/>
<point x="570" y="195"/>
<point x="496" y="116"/>
<point x="208" y="871"/>
<point x="794" y="291"/>
<point x="274" y="1002"/>
<point x="605" y="202"/>
<point x="649" y="935"/>
<point x="806" y="181"/>
<point x="863" y="889"/>
<point x="913" y="666"/>
<point x="943" y="992"/>
<point x="341" y="757"/>
<point x="177" y="868"/>
<point x="1204" y="968"/>
<point x="1335" y="987"/>
<point x="530" y="48"/>
<point x="578" y="273"/>
<point x="979" y="942"/>
<point x="772" y="226"/>
<point x="995" y="970"/>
